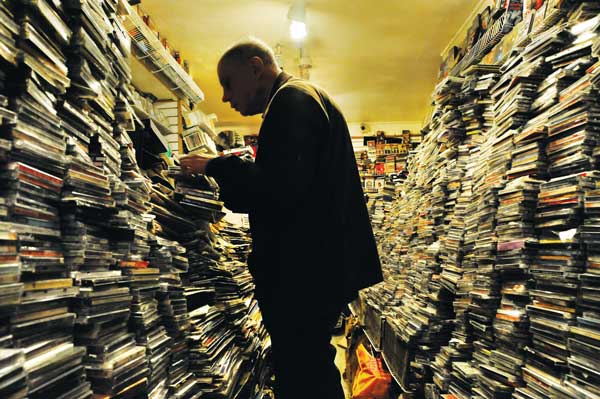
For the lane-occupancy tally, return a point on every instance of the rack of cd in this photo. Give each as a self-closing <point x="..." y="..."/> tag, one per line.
<point x="150" y="50"/>
<point x="492" y="37"/>
<point x="490" y="249"/>
<point x="116" y="280"/>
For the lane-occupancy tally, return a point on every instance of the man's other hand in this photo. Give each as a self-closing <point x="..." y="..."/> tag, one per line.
<point x="193" y="164"/>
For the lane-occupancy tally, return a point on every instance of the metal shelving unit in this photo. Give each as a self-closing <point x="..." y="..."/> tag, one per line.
<point x="483" y="46"/>
<point x="150" y="50"/>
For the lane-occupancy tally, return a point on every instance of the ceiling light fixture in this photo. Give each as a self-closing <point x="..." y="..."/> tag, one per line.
<point x="297" y="16"/>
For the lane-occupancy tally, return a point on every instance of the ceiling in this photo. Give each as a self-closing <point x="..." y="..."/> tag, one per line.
<point x="377" y="59"/>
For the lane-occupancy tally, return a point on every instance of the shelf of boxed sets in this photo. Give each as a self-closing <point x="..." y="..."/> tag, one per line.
<point x="148" y="48"/>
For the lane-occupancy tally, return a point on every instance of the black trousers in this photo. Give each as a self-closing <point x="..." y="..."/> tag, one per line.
<point x="303" y="358"/>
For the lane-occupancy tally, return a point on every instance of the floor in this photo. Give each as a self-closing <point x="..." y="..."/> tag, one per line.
<point x="339" y="342"/>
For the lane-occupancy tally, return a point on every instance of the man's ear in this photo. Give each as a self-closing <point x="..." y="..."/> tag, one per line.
<point x="257" y="66"/>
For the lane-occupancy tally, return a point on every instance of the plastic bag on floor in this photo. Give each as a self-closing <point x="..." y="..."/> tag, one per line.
<point x="371" y="381"/>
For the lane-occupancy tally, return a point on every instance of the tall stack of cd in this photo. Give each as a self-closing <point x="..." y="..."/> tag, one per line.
<point x="583" y="343"/>
<point x="94" y="68"/>
<point x="145" y="323"/>
<point x="33" y="179"/>
<point x="433" y="244"/>
<point x="485" y="291"/>
<point x="10" y="286"/>
<point x="555" y="271"/>
<point x="198" y="199"/>
<point x="169" y="257"/>
<point x="515" y="252"/>
<point x="132" y="249"/>
<point x="171" y="228"/>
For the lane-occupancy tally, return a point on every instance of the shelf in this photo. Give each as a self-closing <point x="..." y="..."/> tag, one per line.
<point x="151" y="51"/>
<point x="483" y="46"/>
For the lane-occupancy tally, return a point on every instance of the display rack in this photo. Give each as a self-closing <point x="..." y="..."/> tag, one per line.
<point x="378" y="350"/>
<point x="491" y="37"/>
<point x="148" y="48"/>
<point x="393" y="374"/>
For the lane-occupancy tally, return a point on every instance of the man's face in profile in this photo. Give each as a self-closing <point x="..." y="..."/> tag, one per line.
<point x="240" y="83"/>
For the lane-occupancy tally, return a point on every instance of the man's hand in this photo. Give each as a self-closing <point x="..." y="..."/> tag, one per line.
<point x="193" y="164"/>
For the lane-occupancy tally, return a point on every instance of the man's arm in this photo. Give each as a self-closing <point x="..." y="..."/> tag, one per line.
<point x="291" y="133"/>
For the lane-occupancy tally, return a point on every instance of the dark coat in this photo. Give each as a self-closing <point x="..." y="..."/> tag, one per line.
<point x="312" y="238"/>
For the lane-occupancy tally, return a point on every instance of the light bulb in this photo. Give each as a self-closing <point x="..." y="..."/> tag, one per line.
<point x="298" y="30"/>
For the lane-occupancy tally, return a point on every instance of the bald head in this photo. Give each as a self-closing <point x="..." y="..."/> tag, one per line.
<point x="246" y="49"/>
<point x="247" y="72"/>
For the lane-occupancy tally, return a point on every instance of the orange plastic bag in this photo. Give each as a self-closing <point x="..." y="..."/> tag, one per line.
<point x="371" y="381"/>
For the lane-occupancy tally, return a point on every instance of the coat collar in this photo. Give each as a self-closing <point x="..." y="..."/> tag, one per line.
<point x="281" y="79"/>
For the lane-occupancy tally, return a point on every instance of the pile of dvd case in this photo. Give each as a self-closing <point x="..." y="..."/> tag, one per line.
<point x="96" y="284"/>
<point x="498" y="219"/>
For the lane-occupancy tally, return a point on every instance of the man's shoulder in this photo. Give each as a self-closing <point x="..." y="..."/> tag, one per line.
<point x="298" y="96"/>
<point x="298" y="91"/>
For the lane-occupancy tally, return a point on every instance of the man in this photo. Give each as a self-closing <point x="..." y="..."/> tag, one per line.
<point x="313" y="246"/>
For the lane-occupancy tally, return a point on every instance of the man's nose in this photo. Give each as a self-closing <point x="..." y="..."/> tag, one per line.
<point x="226" y="97"/>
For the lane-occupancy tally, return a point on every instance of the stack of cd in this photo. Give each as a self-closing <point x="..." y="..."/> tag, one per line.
<point x="31" y="197"/>
<point x="57" y="372"/>
<point x="484" y="295"/>
<point x="132" y="193"/>
<point x="171" y="228"/>
<point x="172" y="306"/>
<point x="446" y="100"/>
<point x="555" y="271"/>
<point x="578" y="53"/>
<point x="86" y="238"/>
<point x="583" y="344"/>
<point x="528" y="157"/>
<point x="13" y="379"/>
<point x="476" y="93"/>
<point x="145" y="322"/>
<point x="425" y="316"/>
<point x="214" y="357"/>
<point x="443" y="364"/>
<point x="476" y="104"/>
<point x="87" y="204"/>
<point x="102" y="297"/>
<point x="485" y="292"/>
<point x="78" y="126"/>
<point x="199" y="197"/>
<point x="42" y="321"/>
<point x="260" y="349"/>
<point x="459" y="194"/>
<point x="573" y="130"/>
<point x="85" y="184"/>
<point x="516" y="245"/>
<point x="590" y="235"/>
<point x="114" y="364"/>
<point x="11" y="288"/>
<point x="43" y="37"/>
<point x="512" y="101"/>
<point x="468" y="268"/>
<point x="463" y="378"/>
<point x="549" y="89"/>
<point x="32" y="181"/>
<point x="451" y="258"/>
<point x="9" y="53"/>
<point x="95" y="70"/>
